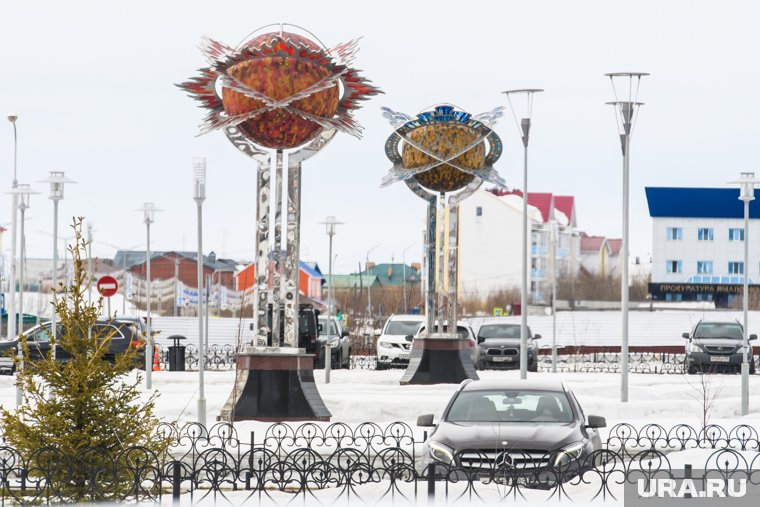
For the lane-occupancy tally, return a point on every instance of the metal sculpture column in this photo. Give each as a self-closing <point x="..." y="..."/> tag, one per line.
<point x="442" y="151"/>
<point x="283" y="97"/>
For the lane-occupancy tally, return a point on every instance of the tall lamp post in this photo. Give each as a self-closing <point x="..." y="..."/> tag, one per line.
<point x="199" y="195"/>
<point x="403" y="259"/>
<point x="626" y="112"/>
<point x="369" y="283"/>
<point x="12" y="331"/>
<point x="524" y="114"/>
<point x="149" y="216"/>
<point x="57" y="181"/>
<point x="330" y="223"/>
<point x="22" y="192"/>
<point x="746" y="184"/>
<point x="555" y="233"/>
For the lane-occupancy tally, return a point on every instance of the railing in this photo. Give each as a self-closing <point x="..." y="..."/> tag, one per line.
<point x="321" y="464"/>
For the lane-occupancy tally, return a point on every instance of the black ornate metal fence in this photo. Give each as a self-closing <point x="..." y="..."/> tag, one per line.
<point x="322" y="464"/>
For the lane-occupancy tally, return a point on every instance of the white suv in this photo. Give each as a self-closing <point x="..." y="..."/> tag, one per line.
<point x="393" y="346"/>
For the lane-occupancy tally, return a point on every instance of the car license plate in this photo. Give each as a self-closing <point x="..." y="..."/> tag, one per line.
<point x="502" y="359"/>
<point x="719" y="359"/>
<point x="403" y="356"/>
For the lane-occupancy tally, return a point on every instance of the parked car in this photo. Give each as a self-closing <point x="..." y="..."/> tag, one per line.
<point x="717" y="346"/>
<point x="332" y="332"/>
<point x="126" y="332"/>
<point x="392" y="345"/>
<point x="465" y="331"/>
<point x="524" y="425"/>
<point x="499" y="345"/>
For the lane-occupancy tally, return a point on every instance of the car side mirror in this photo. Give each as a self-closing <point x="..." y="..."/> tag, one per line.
<point x="319" y="328"/>
<point x="425" y="421"/>
<point x="536" y="336"/>
<point x="685" y="335"/>
<point x="595" y="421"/>
<point x="481" y="339"/>
<point x="753" y="337"/>
<point x="344" y="334"/>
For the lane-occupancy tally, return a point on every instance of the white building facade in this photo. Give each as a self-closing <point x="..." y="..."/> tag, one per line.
<point x="698" y="244"/>
<point x="490" y="243"/>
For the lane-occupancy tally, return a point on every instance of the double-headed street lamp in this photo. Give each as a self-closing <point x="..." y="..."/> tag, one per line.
<point x="522" y="115"/>
<point x="199" y="195"/>
<point x="12" y="331"/>
<point x="22" y="193"/>
<point x="149" y="216"/>
<point x="626" y="112"/>
<point x="57" y="181"/>
<point x="746" y="184"/>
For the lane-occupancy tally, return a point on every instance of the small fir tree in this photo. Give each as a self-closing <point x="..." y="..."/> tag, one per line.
<point x="86" y="403"/>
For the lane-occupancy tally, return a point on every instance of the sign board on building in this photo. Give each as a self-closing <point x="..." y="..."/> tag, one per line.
<point x="498" y="312"/>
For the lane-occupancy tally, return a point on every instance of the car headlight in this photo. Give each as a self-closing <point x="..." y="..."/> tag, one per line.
<point x="569" y="453"/>
<point x="442" y="453"/>
<point x="386" y="345"/>
<point x="693" y="347"/>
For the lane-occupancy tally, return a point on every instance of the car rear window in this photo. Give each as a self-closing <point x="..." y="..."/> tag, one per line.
<point x="462" y="331"/>
<point x="511" y="405"/>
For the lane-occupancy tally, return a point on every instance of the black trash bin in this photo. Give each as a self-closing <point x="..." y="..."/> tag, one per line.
<point x="177" y="354"/>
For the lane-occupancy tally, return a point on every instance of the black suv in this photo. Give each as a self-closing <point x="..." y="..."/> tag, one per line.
<point x="127" y="332"/>
<point x="717" y="346"/>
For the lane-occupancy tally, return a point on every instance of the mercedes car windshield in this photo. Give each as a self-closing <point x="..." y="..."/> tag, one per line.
<point x="510" y="406"/>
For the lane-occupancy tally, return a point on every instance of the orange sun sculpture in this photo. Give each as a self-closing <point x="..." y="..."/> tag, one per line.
<point x="280" y="89"/>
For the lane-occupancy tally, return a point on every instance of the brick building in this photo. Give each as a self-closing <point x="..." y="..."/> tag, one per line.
<point x="166" y="265"/>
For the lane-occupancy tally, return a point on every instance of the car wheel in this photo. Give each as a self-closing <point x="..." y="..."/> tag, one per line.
<point x="533" y="367"/>
<point x="691" y="370"/>
<point x="347" y="363"/>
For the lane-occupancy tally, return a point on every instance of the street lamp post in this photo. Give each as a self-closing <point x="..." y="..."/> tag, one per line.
<point x="57" y="181"/>
<point x="403" y="259"/>
<point x="330" y="223"/>
<point x="199" y="195"/>
<point x="555" y="233"/>
<point x="12" y="331"/>
<point x="746" y="184"/>
<point x="22" y="192"/>
<point x="149" y="216"/>
<point x="369" y="283"/>
<point x="625" y="114"/>
<point x="524" y="126"/>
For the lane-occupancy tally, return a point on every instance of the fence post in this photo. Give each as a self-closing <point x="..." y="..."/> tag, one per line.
<point x="176" y="478"/>
<point x="687" y="474"/>
<point x="431" y="484"/>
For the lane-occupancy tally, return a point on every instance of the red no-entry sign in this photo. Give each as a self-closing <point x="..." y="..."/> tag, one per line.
<point x="107" y="286"/>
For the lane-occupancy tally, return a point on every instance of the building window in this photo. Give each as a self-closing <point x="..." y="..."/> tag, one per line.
<point x="704" y="267"/>
<point x="479" y="211"/>
<point x="674" y="233"/>
<point x="735" y="268"/>
<point x="705" y="234"/>
<point x="674" y="266"/>
<point x="669" y="296"/>
<point x="704" y="297"/>
<point x="736" y="234"/>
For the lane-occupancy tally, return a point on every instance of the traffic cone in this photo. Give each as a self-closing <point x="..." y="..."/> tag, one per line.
<point x="156" y="360"/>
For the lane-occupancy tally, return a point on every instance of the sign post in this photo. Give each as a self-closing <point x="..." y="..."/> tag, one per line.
<point x="107" y="287"/>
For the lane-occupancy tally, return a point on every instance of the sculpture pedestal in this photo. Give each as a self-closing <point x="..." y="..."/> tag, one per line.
<point x="439" y="359"/>
<point x="276" y="384"/>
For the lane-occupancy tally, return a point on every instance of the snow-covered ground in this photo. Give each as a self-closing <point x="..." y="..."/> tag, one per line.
<point x="355" y="396"/>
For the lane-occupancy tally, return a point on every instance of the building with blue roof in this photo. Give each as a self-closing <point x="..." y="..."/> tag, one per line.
<point x="698" y="244"/>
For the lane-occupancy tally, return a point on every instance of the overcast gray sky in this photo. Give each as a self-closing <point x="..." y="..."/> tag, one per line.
<point x="93" y="85"/>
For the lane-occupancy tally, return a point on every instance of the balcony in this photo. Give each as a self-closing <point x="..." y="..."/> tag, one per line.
<point x="537" y="274"/>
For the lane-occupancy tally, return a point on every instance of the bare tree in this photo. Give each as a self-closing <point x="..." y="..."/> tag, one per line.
<point x="705" y="394"/>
